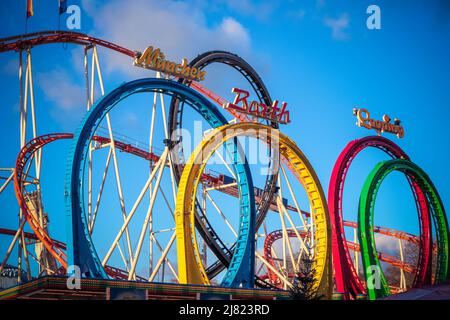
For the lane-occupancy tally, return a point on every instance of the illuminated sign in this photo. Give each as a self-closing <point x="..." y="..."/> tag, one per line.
<point x="156" y="60"/>
<point x="379" y="126"/>
<point x="258" y="109"/>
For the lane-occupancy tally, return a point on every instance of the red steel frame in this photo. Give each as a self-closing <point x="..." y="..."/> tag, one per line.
<point x="347" y="281"/>
<point x="114" y="272"/>
<point x="278" y="234"/>
<point x="55" y="247"/>
<point x="29" y="40"/>
<point x="24" y="155"/>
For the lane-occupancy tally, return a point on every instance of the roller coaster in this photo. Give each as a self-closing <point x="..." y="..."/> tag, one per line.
<point x="186" y="203"/>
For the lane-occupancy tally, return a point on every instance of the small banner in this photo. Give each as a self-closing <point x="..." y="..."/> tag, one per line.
<point x="30" y="12"/>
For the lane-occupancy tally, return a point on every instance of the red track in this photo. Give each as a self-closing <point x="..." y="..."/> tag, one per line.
<point x="27" y="41"/>
<point x="278" y="234"/>
<point x="115" y="273"/>
<point x="31" y="236"/>
<point x="347" y="281"/>
<point x="128" y="148"/>
<point x="53" y="246"/>
<point x="24" y="155"/>
<point x="30" y="40"/>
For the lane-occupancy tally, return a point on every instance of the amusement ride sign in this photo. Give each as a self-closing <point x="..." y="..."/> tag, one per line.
<point x="154" y="59"/>
<point x="258" y="109"/>
<point x="379" y="126"/>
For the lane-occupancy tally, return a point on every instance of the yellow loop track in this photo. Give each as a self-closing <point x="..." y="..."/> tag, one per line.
<point x="190" y="267"/>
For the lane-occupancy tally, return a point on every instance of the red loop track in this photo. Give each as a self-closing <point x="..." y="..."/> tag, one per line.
<point x="347" y="281"/>
<point x="19" y="177"/>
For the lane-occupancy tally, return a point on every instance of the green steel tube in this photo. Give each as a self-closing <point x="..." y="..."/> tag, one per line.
<point x="378" y="287"/>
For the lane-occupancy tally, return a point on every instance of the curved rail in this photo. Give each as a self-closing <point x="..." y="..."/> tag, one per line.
<point x="32" y="236"/>
<point x="53" y="246"/>
<point x="30" y="40"/>
<point x="114" y="272"/>
<point x="222" y="252"/>
<point x="24" y="155"/>
<point x="27" y="41"/>
<point x="184" y="213"/>
<point x="275" y="235"/>
<point x="278" y="234"/>
<point x="366" y="215"/>
<point x="347" y="281"/>
<point x="84" y="253"/>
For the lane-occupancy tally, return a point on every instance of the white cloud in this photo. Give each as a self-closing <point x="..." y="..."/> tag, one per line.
<point x="386" y="244"/>
<point x="338" y="26"/>
<point x="58" y="89"/>
<point x="235" y="33"/>
<point x="178" y="28"/>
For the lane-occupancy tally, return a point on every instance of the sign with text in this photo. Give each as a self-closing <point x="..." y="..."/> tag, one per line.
<point x="154" y="59"/>
<point x="258" y="109"/>
<point x="364" y="120"/>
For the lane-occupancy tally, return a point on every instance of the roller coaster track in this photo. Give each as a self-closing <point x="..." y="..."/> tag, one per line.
<point x="40" y="234"/>
<point x="347" y="281"/>
<point x="84" y="253"/>
<point x="366" y="216"/>
<point x="32" y="236"/>
<point x="24" y="156"/>
<point x="19" y="176"/>
<point x="175" y="120"/>
<point x="278" y="234"/>
<point x="230" y="189"/>
<point x="55" y="247"/>
<point x="211" y="181"/>
<point x="393" y="261"/>
<point x="27" y="41"/>
<point x="187" y="190"/>
<point x="114" y="272"/>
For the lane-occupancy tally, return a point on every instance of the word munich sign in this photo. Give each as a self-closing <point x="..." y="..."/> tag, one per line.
<point x="258" y="109"/>
<point x="156" y="60"/>
<point x="379" y="126"/>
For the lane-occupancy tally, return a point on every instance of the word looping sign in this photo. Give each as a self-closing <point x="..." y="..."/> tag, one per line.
<point x="364" y="120"/>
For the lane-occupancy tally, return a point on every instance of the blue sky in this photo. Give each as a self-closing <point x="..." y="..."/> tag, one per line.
<point x="317" y="55"/>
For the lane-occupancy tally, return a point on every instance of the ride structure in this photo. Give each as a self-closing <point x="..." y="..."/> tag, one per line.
<point x="347" y="280"/>
<point x="365" y="222"/>
<point x="425" y="195"/>
<point x="205" y="254"/>
<point x="305" y="173"/>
